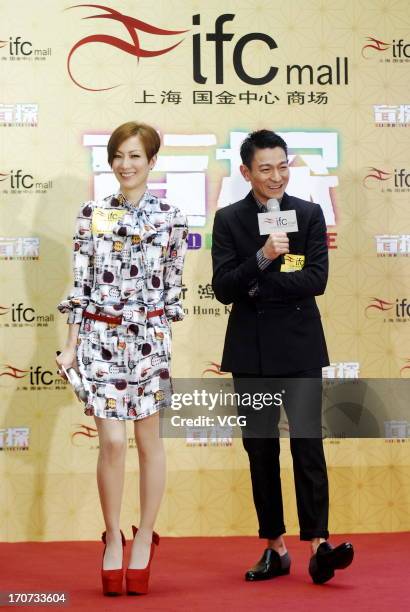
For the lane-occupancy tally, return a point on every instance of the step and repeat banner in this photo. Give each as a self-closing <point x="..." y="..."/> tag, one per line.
<point x="332" y="79"/>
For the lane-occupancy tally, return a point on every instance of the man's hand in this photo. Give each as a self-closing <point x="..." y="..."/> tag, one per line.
<point x="276" y="245"/>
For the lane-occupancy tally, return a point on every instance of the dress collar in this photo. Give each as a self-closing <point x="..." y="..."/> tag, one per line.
<point x="122" y="200"/>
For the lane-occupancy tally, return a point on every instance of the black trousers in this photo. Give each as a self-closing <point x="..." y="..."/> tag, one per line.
<point x="302" y="400"/>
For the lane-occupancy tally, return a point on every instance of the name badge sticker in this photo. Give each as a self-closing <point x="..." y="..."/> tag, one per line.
<point x="277" y="221"/>
<point x="104" y="220"/>
<point x="292" y="263"/>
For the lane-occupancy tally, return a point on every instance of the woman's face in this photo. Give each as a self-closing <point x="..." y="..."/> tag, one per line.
<point x="130" y="164"/>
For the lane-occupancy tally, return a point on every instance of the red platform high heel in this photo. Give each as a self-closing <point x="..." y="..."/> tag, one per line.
<point x="112" y="578"/>
<point x="136" y="580"/>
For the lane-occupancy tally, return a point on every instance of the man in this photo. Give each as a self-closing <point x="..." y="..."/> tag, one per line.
<point x="274" y="330"/>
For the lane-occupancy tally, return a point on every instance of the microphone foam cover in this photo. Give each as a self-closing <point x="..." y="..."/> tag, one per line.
<point x="272" y="204"/>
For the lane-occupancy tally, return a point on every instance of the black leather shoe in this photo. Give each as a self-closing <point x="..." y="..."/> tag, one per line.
<point x="327" y="559"/>
<point x="271" y="564"/>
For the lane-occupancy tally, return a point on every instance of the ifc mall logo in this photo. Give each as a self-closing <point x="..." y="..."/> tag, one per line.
<point x="397" y="180"/>
<point x="37" y="377"/>
<point x="399" y="49"/>
<point x="325" y="74"/>
<point x="20" y="315"/>
<point x="18" y="49"/>
<point x="20" y="182"/>
<point x="395" y="312"/>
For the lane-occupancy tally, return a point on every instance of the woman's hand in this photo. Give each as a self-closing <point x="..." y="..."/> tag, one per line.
<point x="67" y="359"/>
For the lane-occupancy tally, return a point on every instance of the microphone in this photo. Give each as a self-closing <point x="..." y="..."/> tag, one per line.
<point x="272" y="205"/>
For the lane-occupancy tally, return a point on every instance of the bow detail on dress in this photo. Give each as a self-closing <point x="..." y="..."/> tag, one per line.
<point x="143" y="227"/>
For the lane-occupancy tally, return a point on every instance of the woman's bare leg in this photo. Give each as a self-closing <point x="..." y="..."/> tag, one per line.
<point x="110" y="479"/>
<point x="151" y="455"/>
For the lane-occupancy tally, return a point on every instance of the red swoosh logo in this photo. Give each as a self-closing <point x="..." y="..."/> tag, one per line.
<point x="378" y="45"/>
<point x="4" y="310"/>
<point x="377" y="174"/>
<point x="3" y="43"/>
<point x="3" y="175"/>
<point x="13" y="372"/>
<point x="132" y="25"/>
<point x="216" y="369"/>
<point x="405" y="367"/>
<point x="85" y="430"/>
<point x="379" y="304"/>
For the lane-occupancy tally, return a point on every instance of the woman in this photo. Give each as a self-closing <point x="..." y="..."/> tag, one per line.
<point x="128" y="257"/>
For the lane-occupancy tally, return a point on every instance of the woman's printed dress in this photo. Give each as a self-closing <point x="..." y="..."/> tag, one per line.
<point x="128" y="261"/>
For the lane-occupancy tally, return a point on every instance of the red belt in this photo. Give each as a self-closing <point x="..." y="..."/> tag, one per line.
<point x="118" y="320"/>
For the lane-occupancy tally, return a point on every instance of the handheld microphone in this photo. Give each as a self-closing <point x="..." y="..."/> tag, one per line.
<point x="273" y="205"/>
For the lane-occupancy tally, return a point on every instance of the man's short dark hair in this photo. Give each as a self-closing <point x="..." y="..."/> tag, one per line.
<point x="261" y="139"/>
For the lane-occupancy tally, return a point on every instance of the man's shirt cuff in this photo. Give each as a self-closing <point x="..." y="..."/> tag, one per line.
<point x="263" y="262"/>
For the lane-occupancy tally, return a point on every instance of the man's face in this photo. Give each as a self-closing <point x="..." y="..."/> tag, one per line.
<point x="268" y="174"/>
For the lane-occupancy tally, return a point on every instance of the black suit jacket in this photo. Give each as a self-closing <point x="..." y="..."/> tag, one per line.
<point x="279" y="331"/>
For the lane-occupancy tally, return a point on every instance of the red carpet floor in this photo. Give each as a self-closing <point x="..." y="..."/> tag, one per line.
<point x="198" y="574"/>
